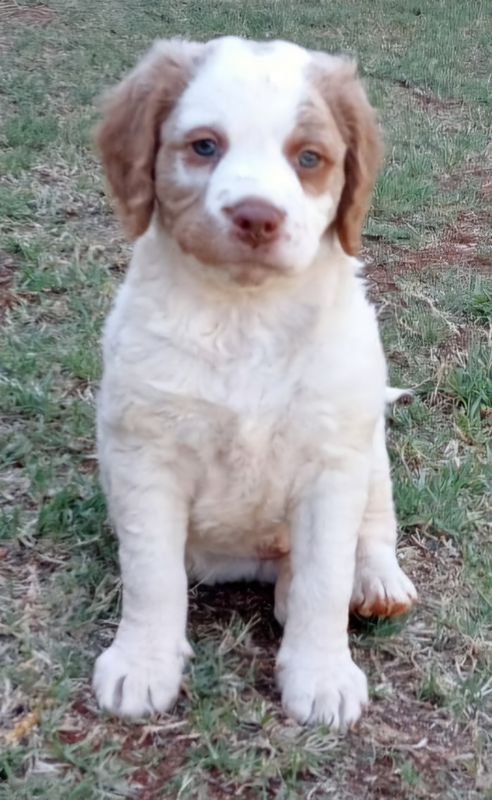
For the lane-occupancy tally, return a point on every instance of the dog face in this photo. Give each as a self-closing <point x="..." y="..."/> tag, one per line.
<point x="249" y="153"/>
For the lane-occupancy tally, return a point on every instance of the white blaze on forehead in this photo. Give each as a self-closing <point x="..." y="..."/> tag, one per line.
<point x="246" y="88"/>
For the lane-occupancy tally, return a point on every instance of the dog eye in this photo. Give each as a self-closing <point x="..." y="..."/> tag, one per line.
<point x="205" y="147"/>
<point x="308" y="159"/>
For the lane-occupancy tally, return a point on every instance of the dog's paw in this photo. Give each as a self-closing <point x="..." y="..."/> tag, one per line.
<point x="381" y="588"/>
<point x="131" y="682"/>
<point x="324" y="688"/>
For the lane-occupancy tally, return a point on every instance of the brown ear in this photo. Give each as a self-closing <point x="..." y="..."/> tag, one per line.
<point x="128" y="136"/>
<point x="356" y="122"/>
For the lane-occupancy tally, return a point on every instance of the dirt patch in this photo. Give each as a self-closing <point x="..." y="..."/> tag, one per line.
<point x="421" y="738"/>
<point x="465" y="244"/>
<point x="217" y="605"/>
<point x="425" y="98"/>
<point x="451" y="114"/>
<point x="486" y="188"/>
<point x="459" y="244"/>
<point x="248" y="600"/>
<point x="29" y="15"/>
<point x="7" y="296"/>
<point x="149" y="782"/>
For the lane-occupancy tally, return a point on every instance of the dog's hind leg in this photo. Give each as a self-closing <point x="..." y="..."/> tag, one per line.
<point x="380" y="587"/>
<point x="282" y="585"/>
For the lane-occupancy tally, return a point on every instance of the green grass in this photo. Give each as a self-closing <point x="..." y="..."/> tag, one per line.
<point x="472" y="382"/>
<point x="426" y="67"/>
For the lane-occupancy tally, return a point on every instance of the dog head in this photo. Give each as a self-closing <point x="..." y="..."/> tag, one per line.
<point x="248" y="153"/>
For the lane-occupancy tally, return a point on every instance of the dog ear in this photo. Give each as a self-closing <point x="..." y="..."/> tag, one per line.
<point x="356" y="122"/>
<point x="128" y="137"/>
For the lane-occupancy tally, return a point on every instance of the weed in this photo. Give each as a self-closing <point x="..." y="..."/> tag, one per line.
<point x="68" y="512"/>
<point x="28" y="131"/>
<point x="408" y="773"/>
<point x="481" y="303"/>
<point x="430" y="689"/>
<point x="10" y="521"/>
<point x="472" y="383"/>
<point x="16" y="204"/>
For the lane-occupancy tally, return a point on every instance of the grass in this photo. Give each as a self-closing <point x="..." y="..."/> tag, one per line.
<point x="428" y="244"/>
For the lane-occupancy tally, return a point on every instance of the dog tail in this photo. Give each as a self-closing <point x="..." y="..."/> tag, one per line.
<point x="402" y="396"/>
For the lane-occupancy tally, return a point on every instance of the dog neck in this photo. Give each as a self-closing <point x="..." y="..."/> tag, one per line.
<point x="204" y="310"/>
<point x="245" y="286"/>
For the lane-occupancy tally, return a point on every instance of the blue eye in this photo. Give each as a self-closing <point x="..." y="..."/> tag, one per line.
<point x="205" y="147"/>
<point x="308" y="159"/>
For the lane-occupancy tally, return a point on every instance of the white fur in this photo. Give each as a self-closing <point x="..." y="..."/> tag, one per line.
<point x="228" y="414"/>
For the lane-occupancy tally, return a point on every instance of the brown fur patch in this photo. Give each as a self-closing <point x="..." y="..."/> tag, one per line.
<point x="382" y="608"/>
<point x="128" y="136"/>
<point x="317" y="131"/>
<point x="275" y="543"/>
<point x="356" y="122"/>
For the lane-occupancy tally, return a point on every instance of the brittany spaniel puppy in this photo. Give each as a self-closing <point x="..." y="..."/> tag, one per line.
<point x="241" y="412"/>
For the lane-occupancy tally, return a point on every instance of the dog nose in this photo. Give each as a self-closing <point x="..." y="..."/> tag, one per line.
<point x="255" y="221"/>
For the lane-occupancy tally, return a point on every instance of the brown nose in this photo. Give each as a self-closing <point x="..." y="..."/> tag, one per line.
<point x="255" y="221"/>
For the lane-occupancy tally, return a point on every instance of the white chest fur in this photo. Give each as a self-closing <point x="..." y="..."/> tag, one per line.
<point x="246" y="397"/>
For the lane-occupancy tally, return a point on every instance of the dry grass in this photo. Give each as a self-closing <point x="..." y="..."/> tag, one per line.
<point x="428" y="731"/>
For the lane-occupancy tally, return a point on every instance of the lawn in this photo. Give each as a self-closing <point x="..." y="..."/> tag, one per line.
<point x="427" y="66"/>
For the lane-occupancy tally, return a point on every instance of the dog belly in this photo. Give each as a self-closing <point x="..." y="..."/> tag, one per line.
<point x="241" y="506"/>
<point x="265" y="543"/>
<point x="241" y="512"/>
<point x="230" y="542"/>
<point x="208" y="567"/>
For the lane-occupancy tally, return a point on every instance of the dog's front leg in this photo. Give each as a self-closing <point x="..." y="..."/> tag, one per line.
<point x="141" y="672"/>
<point x="320" y="683"/>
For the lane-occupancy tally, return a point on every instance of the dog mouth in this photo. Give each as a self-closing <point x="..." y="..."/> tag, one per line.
<point x="249" y="251"/>
<point x="254" y="272"/>
<point x="249" y="265"/>
<point x="252" y="251"/>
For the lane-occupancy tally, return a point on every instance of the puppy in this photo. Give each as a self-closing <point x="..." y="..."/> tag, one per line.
<point x="241" y="412"/>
